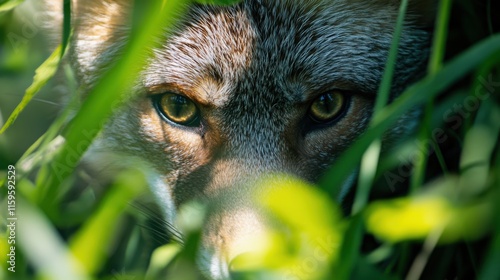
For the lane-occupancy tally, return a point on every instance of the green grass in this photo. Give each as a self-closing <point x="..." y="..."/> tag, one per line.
<point x="418" y="213"/>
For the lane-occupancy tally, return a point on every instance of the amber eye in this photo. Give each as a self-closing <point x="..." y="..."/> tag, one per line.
<point x="178" y="109"/>
<point x="328" y="107"/>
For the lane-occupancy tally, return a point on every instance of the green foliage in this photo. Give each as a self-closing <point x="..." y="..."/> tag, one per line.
<point x="416" y="218"/>
<point x="42" y="75"/>
<point x="417" y="94"/>
<point x="102" y="100"/>
<point x="89" y="234"/>
<point x="90" y="248"/>
<point x="314" y="230"/>
<point x="9" y="5"/>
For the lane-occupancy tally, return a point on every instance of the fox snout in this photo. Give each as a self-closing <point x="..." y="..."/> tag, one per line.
<point x="231" y="230"/>
<point x="257" y="225"/>
<point x="229" y="179"/>
<point x="236" y="224"/>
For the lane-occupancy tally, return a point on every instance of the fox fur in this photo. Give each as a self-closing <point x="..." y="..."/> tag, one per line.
<point x="253" y="69"/>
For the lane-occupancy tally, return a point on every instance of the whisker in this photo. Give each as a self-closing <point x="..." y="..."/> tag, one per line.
<point x="37" y="99"/>
<point x="158" y="222"/>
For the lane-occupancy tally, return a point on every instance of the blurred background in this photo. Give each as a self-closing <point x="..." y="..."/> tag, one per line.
<point x="24" y="45"/>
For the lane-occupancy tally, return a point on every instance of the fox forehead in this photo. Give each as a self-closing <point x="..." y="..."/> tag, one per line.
<point x="297" y="49"/>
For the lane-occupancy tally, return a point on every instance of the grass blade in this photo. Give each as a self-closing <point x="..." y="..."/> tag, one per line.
<point x="435" y="63"/>
<point x="42" y="76"/>
<point x="369" y="162"/>
<point x="101" y="101"/>
<point x="413" y="96"/>
<point x="92" y="249"/>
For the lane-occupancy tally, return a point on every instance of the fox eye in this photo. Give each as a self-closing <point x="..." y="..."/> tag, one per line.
<point x="178" y="109"/>
<point x="328" y="107"/>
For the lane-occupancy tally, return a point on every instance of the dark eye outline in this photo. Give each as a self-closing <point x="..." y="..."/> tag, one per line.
<point x="342" y="111"/>
<point x="192" y="122"/>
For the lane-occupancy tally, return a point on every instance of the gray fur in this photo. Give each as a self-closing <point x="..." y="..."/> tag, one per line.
<point x="257" y="65"/>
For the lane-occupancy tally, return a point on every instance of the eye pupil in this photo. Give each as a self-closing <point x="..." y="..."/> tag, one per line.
<point x="177" y="105"/>
<point x="178" y="109"/>
<point x="327" y="107"/>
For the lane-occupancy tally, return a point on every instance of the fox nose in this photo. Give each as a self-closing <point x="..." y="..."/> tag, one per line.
<point x="280" y="227"/>
<point x="239" y="236"/>
<point x="234" y="230"/>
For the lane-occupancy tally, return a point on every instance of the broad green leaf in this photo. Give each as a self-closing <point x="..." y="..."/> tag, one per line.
<point x="306" y="227"/>
<point x="42" y="75"/>
<point x="416" y="217"/>
<point x="162" y="257"/>
<point x="191" y="216"/>
<point x="9" y="5"/>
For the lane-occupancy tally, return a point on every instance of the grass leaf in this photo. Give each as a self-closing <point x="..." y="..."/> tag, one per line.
<point x="92" y="249"/>
<point x="44" y="247"/>
<point x="413" y="96"/>
<point x="42" y="76"/>
<point x="369" y="162"/>
<point x="9" y="5"/>
<point x="101" y="101"/>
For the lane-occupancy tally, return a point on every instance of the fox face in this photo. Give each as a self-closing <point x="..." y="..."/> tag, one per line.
<point x="237" y="92"/>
